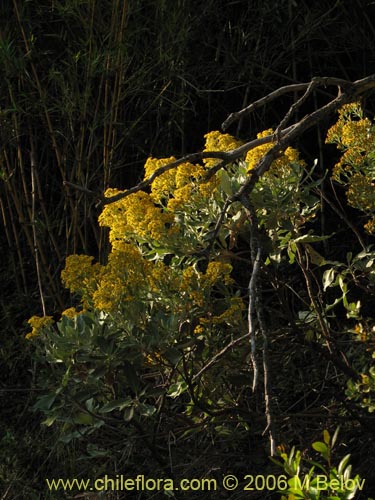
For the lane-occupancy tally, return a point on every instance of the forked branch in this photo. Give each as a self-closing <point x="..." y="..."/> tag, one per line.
<point x="284" y="137"/>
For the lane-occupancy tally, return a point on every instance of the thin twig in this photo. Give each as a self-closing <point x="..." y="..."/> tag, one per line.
<point x="262" y="102"/>
<point x="294" y="108"/>
<point x="342" y="215"/>
<point x="288" y="89"/>
<point x="35" y="239"/>
<point x="321" y="319"/>
<point x="219" y="355"/>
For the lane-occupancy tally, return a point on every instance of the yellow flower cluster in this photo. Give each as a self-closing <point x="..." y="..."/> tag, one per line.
<point x="230" y="316"/>
<point x="354" y="135"/>
<point x="153" y="359"/>
<point x="176" y="185"/>
<point x="189" y="287"/>
<point x="38" y="323"/>
<point x="140" y="224"/>
<point x="125" y="278"/>
<point x="129" y="276"/>
<point x="198" y="330"/>
<point x="218" y="272"/>
<point x="151" y="217"/>
<point x="233" y="314"/>
<point x="281" y="166"/>
<point x="163" y="185"/>
<point x="72" y="312"/>
<point x="361" y="192"/>
<point x="356" y="141"/>
<point x="348" y="114"/>
<point x="370" y="226"/>
<point x="216" y="141"/>
<point x="136" y="217"/>
<point x="80" y="274"/>
<point x="197" y="286"/>
<point x="163" y="279"/>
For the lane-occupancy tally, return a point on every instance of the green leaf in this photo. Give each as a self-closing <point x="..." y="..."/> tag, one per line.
<point x="310" y="238"/>
<point x="225" y="183"/>
<point x="342" y="465"/>
<point x="335" y="435"/>
<point x="84" y="419"/>
<point x="328" y="278"/>
<point x="116" y="404"/>
<point x="326" y="437"/>
<point x="73" y="435"/>
<point x="315" y="256"/>
<point x="94" y="451"/>
<point x="45" y="403"/>
<point x="129" y="413"/>
<point x="292" y="249"/>
<point x="176" y="389"/>
<point x="343" y="285"/>
<point x="49" y="420"/>
<point x="321" y="448"/>
<point x="146" y="410"/>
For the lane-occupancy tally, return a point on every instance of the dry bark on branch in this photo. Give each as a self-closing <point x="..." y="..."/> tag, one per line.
<point x="284" y="137"/>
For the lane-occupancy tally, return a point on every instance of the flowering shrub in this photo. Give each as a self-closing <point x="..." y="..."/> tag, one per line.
<point x="154" y="327"/>
<point x="167" y="300"/>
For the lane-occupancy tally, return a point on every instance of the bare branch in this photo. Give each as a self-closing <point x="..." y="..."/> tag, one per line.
<point x="256" y="252"/>
<point x="193" y="157"/>
<point x="288" y="89"/>
<point x="220" y="354"/>
<point x="225" y="157"/>
<point x="233" y="117"/>
<point x="294" y="108"/>
<point x="349" y="91"/>
<point x="82" y="189"/>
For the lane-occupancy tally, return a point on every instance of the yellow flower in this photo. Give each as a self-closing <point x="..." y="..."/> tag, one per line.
<point x="218" y="272"/>
<point x="72" y="312"/>
<point x="355" y="136"/>
<point x="361" y="192"/>
<point x="198" y="330"/>
<point x="38" y="324"/>
<point x="281" y="166"/>
<point x="137" y="218"/>
<point x="163" y="185"/>
<point x="163" y="279"/>
<point x="80" y="275"/>
<point x="370" y="226"/>
<point x="346" y="113"/>
<point x="216" y="141"/>
<point x="232" y="315"/>
<point x="254" y="155"/>
<point x="124" y="278"/>
<point x="207" y="189"/>
<point x="181" y="196"/>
